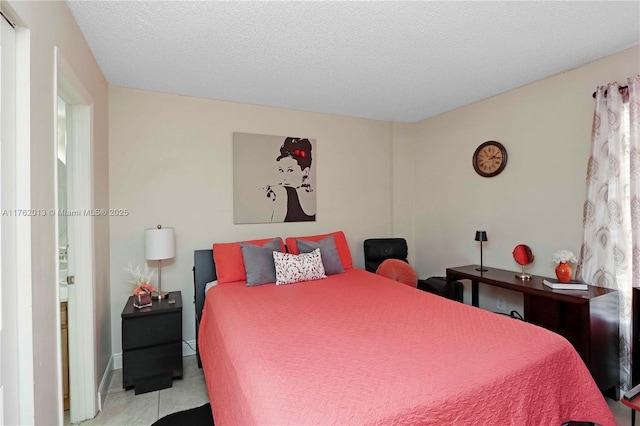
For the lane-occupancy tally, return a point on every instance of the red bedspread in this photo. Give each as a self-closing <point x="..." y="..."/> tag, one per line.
<point x="357" y="348"/>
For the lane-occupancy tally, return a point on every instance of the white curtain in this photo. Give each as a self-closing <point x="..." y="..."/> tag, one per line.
<point x="610" y="255"/>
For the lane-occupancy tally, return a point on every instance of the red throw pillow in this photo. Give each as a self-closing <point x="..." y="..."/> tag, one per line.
<point x="338" y="237"/>
<point x="229" y="261"/>
<point x="398" y="270"/>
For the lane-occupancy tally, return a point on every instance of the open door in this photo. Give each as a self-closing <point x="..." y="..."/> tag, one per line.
<point x="79" y="253"/>
<point x="65" y="251"/>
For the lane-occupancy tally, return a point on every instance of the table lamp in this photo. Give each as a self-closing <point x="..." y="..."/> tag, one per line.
<point x="482" y="237"/>
<point x="159" y="244"/>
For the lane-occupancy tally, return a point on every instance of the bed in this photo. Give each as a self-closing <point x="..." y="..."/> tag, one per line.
<point x="357" y="348"/>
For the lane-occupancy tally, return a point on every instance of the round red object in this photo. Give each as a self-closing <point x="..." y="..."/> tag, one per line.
<point x="398" y="270"/>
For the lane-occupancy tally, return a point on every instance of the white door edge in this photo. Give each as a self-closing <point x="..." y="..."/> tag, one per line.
<point x="83" y="391"/>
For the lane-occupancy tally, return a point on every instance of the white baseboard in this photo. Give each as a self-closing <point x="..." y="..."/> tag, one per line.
<point x="188" y="349"/>
<point x="105" y="383"/>
<point x="117" y="361"/>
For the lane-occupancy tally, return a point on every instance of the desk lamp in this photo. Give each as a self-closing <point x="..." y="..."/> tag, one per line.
<point x="482" y="237"/>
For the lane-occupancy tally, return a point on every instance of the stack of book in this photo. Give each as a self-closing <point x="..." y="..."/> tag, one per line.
<point x="571" y="285"/>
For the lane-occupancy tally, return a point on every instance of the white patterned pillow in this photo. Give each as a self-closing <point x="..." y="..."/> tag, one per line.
<point x="292" y="268"/>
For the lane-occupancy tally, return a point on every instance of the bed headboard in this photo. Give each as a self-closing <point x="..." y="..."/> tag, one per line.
<point x="204" y="271"/>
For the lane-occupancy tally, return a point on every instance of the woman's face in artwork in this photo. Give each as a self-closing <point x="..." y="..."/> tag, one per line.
<point x="290" y="173"/>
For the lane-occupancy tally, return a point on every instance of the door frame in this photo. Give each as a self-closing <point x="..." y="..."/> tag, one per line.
<point x="17" y="334"/>
<point x="83" y="389"/>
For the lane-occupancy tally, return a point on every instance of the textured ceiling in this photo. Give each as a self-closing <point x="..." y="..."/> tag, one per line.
<point x="402" y="61"/>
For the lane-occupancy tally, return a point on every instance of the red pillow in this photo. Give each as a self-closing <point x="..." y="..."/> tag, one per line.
<point x="338" y="237"/>
<point x="229" y="260"/>
<point x="398" y="270"/>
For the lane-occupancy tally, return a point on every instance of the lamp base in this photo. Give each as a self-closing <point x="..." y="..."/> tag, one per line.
<point x="481" y="269"/>
<point x="159" y="295"/>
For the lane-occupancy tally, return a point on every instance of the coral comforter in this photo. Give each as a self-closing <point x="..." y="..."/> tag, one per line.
<point x="357" y="348"/>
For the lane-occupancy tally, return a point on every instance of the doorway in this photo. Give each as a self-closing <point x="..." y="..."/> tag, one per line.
<point x="63" y="247"/>
<point x="75" y="239"/>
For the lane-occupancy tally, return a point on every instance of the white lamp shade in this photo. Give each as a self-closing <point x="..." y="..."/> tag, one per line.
<point x="159" y="243"/>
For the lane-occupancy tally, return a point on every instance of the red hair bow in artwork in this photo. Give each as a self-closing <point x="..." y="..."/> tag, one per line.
<point x="299" y="153"/>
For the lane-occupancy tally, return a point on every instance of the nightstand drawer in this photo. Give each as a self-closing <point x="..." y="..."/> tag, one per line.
<point x="154" y="361"/>
<point x="143" y="331"/>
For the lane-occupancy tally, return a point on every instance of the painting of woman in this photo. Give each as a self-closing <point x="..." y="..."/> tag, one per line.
<point x="293" y="198"/>
<point x="273" y="179"/>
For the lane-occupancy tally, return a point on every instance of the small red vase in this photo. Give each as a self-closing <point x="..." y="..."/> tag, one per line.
<point x="563" y="272"/>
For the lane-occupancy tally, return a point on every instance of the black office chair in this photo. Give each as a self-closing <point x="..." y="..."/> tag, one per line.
<point x="377" y="250"/>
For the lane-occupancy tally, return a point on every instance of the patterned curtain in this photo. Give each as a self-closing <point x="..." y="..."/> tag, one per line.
<point x="610" y="255"/>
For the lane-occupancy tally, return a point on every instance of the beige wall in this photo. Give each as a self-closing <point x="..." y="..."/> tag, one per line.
<point x="51" y="25"/>
<point x="170" y="160"/>
<point x="403" y="178"/>
<point x="537" y="200"/>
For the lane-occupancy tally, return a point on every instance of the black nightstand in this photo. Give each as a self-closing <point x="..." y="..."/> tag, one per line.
<point x="152" y="344"/>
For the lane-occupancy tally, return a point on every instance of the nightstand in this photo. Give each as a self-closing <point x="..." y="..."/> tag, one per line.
<point x="152" y="344"/>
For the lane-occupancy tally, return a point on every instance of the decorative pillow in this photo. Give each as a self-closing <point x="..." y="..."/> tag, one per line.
<point x="258" y="262"/>
<point x="229" y="261"/>
<point x="330" y="256"/>
<point x="398" y="270"/>
<point x="291" y="268"/>
<point x="209" y="285"/>
<point x="341" y="245"/>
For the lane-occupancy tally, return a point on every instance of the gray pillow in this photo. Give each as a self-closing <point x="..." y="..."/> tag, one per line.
<point x="258" y="262"/>
<point x="329" y="252"/>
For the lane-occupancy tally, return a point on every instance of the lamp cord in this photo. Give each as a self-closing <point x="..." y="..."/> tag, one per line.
<point x="187" y="343"/>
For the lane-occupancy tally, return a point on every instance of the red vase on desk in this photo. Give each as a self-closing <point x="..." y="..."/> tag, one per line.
<point x="563" y="272"/>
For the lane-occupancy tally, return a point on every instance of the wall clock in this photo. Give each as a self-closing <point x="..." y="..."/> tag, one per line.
<point x="489" y="159"/>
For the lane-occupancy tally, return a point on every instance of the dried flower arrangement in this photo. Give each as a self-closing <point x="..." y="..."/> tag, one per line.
<point x="564" y="256"/>
<point x="141" y="278"/>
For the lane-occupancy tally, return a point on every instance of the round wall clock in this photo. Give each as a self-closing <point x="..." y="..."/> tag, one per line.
<point x="490" y="159"/>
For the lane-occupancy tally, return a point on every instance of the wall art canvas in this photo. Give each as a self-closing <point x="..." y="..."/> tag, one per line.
<point x="273" y="178"/>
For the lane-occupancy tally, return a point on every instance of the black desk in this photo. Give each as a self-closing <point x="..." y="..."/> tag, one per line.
<point x="635" y="337"/>
<point x="586" y="318"/>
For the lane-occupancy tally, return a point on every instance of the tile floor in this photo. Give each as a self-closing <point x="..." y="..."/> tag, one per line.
<point x="125" y="408"/>
<point x="622" y="413"/>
